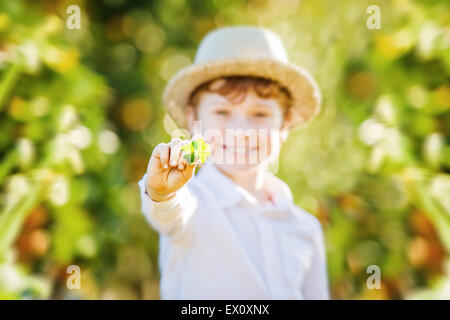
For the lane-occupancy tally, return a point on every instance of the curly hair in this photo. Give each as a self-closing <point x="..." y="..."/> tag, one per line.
<point x="235" y="88"/>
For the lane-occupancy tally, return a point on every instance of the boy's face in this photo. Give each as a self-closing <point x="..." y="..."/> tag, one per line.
<point x="243" y="136"/>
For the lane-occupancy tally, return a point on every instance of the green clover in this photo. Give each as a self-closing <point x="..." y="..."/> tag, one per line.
<point x="197" y="149"/>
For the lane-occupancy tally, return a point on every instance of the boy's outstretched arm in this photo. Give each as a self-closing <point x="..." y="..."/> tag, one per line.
<point x="166" y="201"/>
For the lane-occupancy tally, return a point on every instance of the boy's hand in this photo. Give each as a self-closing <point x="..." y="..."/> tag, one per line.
<point x="167" y="170"/>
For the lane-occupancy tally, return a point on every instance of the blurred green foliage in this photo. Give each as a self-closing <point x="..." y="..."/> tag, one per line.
<point x="80" y="112"/>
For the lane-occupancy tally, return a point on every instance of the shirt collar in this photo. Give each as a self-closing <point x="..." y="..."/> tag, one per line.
<point x="226" y="190"/>
<point x="230" y="194"/>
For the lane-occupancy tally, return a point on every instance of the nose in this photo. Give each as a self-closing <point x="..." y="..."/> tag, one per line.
<point x="239" y="121"/>
<point x="241" y="132"/>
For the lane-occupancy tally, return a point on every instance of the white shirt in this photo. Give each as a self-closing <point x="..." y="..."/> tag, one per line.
<point x="217" y="242"/>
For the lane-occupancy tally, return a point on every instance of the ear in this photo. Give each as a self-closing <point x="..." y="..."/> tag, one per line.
<point x="284" y="130"/>
<point x="190" y="116"/>
<point x="284" y="133"/>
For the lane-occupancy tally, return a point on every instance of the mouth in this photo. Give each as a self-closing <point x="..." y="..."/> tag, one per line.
<point x="239" y="151"/>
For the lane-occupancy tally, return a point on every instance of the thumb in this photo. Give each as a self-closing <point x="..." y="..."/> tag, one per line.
<point x="189" y="171"/>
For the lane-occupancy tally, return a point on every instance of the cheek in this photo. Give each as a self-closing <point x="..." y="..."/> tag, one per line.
<point x="276" y="120"/>
<point x="269" y="143"/>
<point x="209" y="127"/>
<point x="212" y="122"/>
<point x="214" y="136"/>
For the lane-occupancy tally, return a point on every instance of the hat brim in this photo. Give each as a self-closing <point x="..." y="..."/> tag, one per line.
<point x="305" y="93"/>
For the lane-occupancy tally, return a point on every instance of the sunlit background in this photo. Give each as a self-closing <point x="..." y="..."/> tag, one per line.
<point x="80" y="112"/>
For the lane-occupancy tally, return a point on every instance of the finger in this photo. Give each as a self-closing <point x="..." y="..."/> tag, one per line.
<point x="189" y="170"/>
<point x="163" y="154"/>
<point x="175" y="149"/>
<point x="182" y="162"/>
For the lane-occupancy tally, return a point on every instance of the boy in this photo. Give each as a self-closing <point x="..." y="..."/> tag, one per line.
<point x="232" y="231"/>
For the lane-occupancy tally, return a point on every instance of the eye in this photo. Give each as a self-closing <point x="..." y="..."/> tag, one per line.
<point x="260" y="114"/>
<point x="222" y="112"/>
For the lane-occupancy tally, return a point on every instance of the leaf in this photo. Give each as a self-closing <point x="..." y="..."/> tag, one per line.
<point x="190" y="158"/>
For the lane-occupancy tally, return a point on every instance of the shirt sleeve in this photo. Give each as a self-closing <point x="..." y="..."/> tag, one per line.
<point x="172" y="217"/>
<point x="315" y="286"/>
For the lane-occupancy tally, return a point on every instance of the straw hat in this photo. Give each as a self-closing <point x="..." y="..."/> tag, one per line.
<point x="243" y="51"/>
